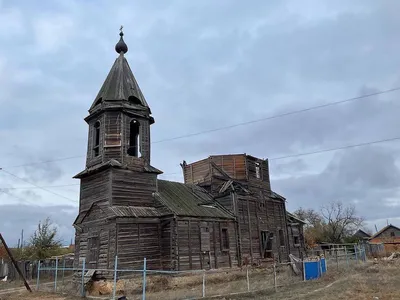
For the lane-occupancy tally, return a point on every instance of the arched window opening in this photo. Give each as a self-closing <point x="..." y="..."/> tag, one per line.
<point x="98" y="101"/>
<point x="133" y="149"/>
<point x="134" y="100"/>
<point x="96" y="146"/>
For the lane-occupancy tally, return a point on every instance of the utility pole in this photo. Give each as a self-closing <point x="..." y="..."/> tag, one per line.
<point x="15" y="263"/>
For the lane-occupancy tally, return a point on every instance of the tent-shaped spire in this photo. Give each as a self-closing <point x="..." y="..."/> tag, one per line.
<point x="120" y="84"/>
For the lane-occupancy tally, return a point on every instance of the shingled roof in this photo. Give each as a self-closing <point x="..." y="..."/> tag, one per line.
<point x="189" y="200"/>
<point x="120" y="84"/>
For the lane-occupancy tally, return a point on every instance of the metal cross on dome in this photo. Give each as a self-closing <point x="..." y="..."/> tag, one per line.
<point x="122" y="27"/>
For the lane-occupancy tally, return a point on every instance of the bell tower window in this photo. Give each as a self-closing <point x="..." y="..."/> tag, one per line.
<point x="133" y="149"/>
<point x="96" y="144"/>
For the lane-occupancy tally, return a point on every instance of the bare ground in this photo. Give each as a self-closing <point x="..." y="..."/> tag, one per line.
<point x="365" y="281"/>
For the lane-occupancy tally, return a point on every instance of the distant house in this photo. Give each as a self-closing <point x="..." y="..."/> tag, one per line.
<point x="361" y="235"/>
<point x="389" y="236"/>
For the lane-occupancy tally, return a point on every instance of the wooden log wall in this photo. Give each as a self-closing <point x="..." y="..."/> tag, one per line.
<point x="295" y="239"/>
<point x="261" y="182"/>
<point x="112" y="136"/>
<point x="200" y="244"/>
<point x="132" y="188"/>
<point x="91" y="159"/>
<point x="136" y="241"/>
<point x="94" y="188"/>
<point x="95" y="227"/>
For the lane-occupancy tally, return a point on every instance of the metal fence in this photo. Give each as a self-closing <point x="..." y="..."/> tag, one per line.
<point x="57" y="276"/>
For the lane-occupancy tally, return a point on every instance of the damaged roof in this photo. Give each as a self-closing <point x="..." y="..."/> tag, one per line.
<point x="189" y="200"/>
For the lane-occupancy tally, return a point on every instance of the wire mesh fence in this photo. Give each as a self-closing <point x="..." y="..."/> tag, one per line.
<point x="57" y="276"/>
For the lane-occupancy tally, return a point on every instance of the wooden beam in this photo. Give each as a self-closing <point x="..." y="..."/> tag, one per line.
<point x="190" y="245"/>
<point x="215" y="247"/>
<point x="250" y="236"/>
<point x="15" y="263"/>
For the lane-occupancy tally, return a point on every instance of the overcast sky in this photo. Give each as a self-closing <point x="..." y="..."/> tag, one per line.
<point x="204" y="64"/>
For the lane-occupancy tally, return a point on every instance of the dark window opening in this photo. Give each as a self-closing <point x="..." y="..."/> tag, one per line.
<point x="266" y="244"/>
<point x="98" y="101"/>
<point x="224" y="239"/>
<point x="296" y="240"/>
<point x="96" y="146"/>
<point x="134" y="100"/>
<point x="281" y="238"/>
<point x="258" y="170"/>
<point x="133" y="149"/>
<point x="392" y="234"/>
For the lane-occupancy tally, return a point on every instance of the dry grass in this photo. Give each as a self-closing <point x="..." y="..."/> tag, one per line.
<point x="364" y="281"/>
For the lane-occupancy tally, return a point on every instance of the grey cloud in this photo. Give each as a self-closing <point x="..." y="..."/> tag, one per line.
<point x="203" y="65"/>
<point x="15" y="218"/>
<point x="367" y="177"/>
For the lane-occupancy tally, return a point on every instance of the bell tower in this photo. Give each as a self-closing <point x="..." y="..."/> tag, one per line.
<point x="118" y="169"/>
<point x="119" y="119"/>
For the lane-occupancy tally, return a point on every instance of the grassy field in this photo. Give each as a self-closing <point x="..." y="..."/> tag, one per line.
<point x="380" y="280"/>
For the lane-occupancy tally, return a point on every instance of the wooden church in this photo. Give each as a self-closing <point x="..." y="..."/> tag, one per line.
<point x="223" y="212"/>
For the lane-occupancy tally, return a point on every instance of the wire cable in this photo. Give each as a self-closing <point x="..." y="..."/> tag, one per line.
<point x="235" y="125"/>
<point x="42" y="188"/>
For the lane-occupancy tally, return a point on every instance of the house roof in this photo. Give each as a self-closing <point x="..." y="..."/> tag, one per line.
<point x="383" y="230"/>
<point x="361" y="233"/>
<point x="186" y="200"/>
<point x="295" y="217"/>
<point x="189" y="200"/>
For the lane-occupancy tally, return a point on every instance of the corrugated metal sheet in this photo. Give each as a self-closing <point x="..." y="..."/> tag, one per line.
<point x="189" y="200"/>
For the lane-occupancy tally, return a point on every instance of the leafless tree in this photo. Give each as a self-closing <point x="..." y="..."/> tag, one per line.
<point x="340" y="221"/>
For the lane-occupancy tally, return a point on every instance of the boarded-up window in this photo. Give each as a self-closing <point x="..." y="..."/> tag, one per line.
<point x="281" y="238"/>
<point x="296" y="241"/>
<point x="93" y="250"/>
<point x="205" y="239"/>
<point x="112" y="140"/>
<point x="224" y="239"/>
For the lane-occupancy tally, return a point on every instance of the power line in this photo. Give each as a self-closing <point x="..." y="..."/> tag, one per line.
<point x="28" y="188"/>
<point x="42" y="188"/>
<point x="273" y="158"/>
<point x="237" y="124"/>
<point x="335" y="149"/>
<point x="16" y="197"/>
<point x="47" y="161"/>
<point x="278" y="116"/>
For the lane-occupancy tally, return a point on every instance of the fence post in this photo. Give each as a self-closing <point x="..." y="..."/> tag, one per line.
<point x="144" y="279"/>
<point x="347" y="257"/>
<point x="247" y="277"/>
<point x="38" y="276"/>
<point x="83" y="277"/>
<point x="204" y="284"/>
<point x="55" y="276"/>
<point x="275" y="283"/>
<point x="115" y="276"/>
<point x="337" y="261"/>
<point x="63" y="271"/>
<point x="355" y="253"/>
